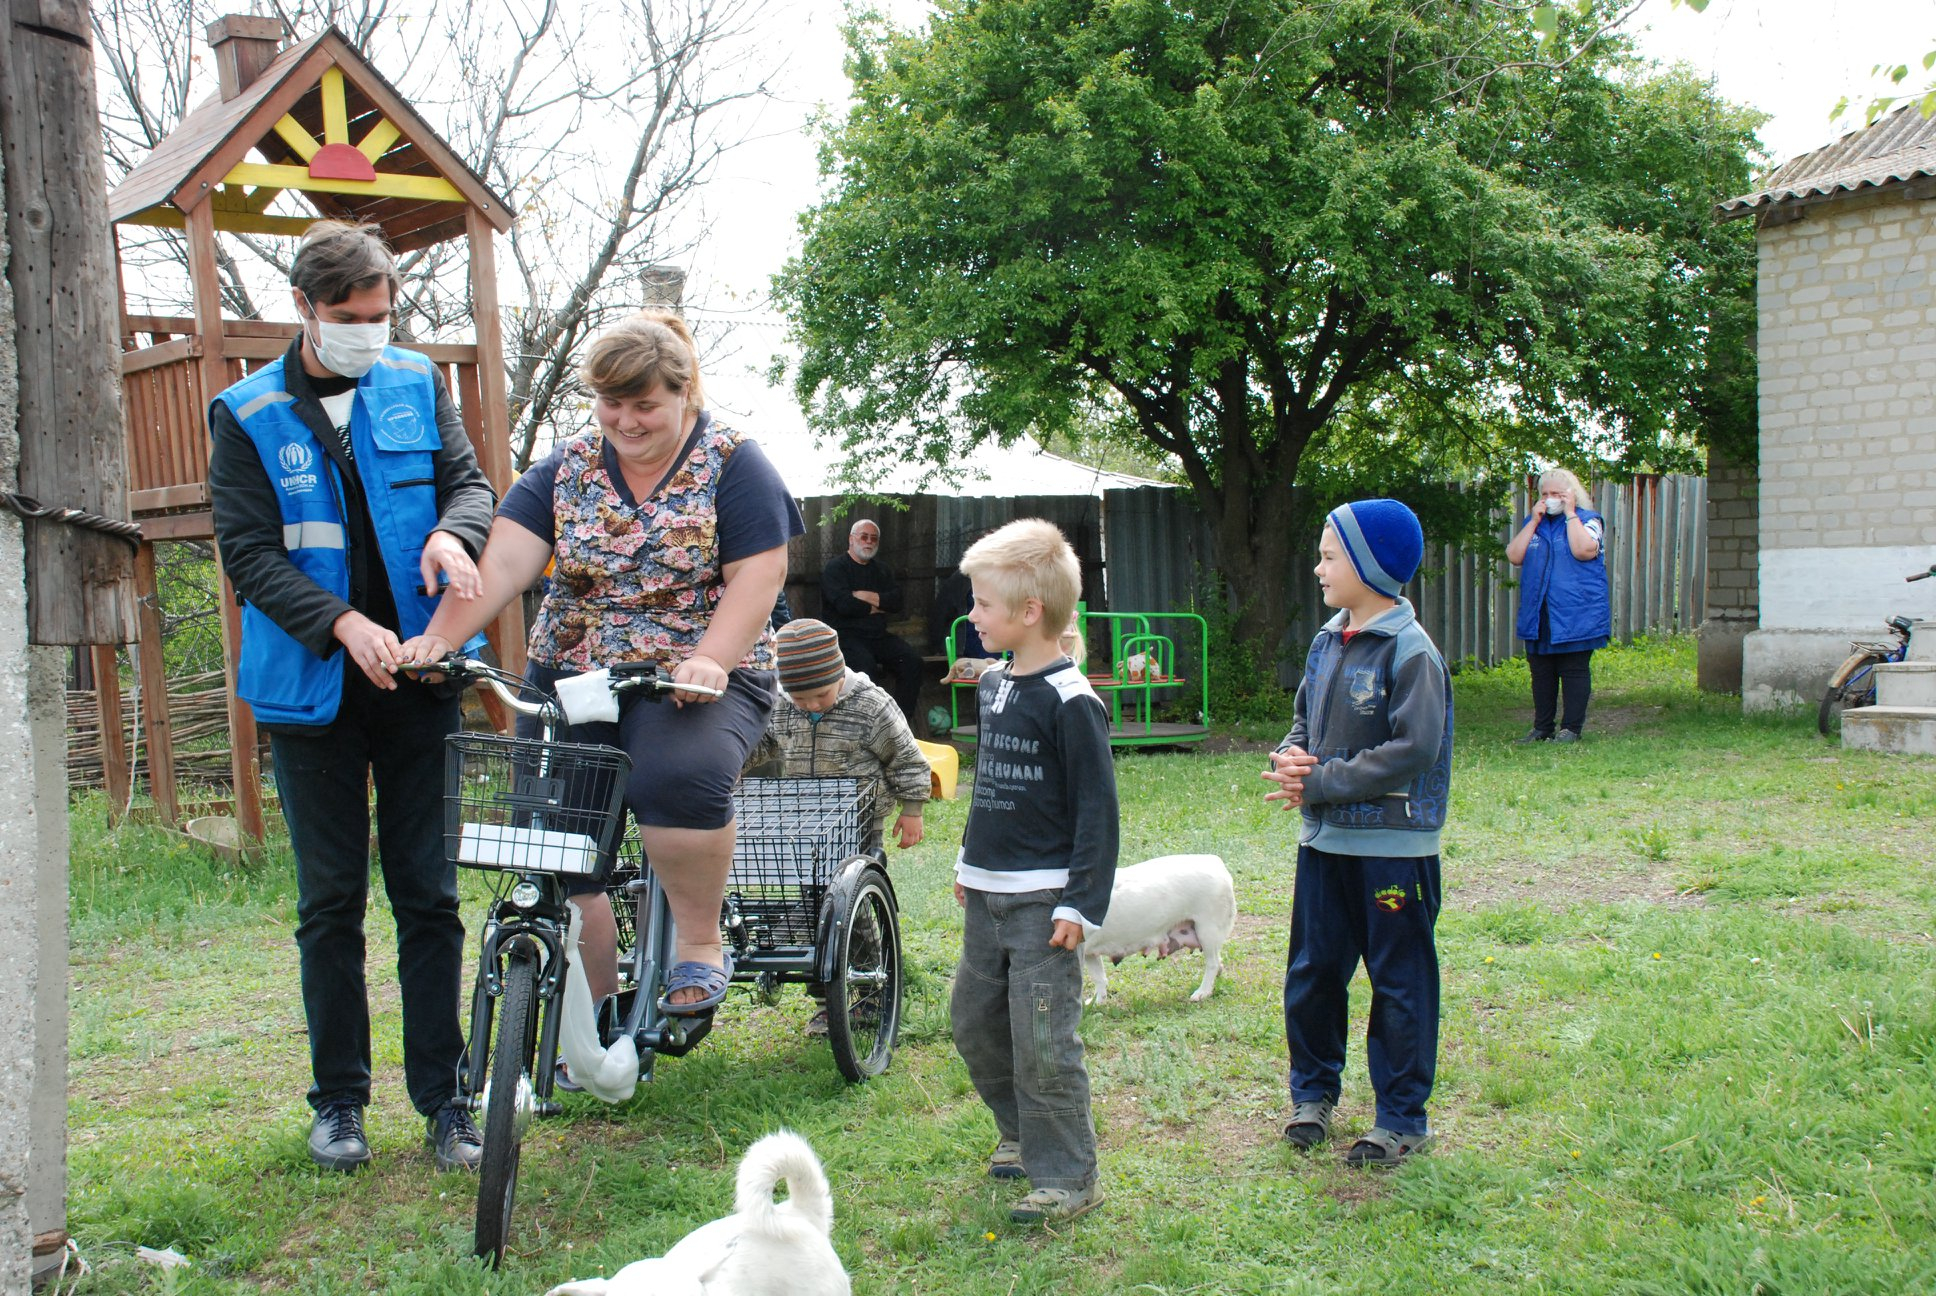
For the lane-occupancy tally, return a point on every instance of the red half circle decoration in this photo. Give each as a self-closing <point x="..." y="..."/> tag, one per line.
<point x="340" y="162"/>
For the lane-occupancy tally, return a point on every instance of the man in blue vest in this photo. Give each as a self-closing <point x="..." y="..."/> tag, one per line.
<point x="343" y="486"/>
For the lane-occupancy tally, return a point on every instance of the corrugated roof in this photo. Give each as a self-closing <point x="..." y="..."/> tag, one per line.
<point x="1898" y="149"/>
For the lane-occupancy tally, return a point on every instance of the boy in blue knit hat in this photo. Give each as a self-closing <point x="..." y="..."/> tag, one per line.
<point x="1369" y="762"/>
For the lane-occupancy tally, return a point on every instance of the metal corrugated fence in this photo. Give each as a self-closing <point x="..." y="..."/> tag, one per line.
<point x="1149" y="549"/>
<point x="1159" y="551"/>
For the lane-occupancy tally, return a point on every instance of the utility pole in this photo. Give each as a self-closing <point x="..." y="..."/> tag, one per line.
<point x="65" y="578"/>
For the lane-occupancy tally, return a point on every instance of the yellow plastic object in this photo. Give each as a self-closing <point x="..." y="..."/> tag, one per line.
<point x="944" y="766"/>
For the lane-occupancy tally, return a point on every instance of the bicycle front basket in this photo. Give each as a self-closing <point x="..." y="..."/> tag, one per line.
<point x="526" y="806"/>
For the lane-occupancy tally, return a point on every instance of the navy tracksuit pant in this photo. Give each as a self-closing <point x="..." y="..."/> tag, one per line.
<point x="1381" y="910"/>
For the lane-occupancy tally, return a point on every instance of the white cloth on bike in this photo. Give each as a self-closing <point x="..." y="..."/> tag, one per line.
<point x="607" y="1073"/>
<point x="588" y="697"/>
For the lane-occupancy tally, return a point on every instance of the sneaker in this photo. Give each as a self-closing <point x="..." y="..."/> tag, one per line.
<point x="454" y="1140"/>
<point x="1054" y="1205"/>
<point x="1310" y="1124"/>
<point x="1532" y="736"/>
<point x="1005" y="1162"/>
<point x="1566" y="736"/>
<point x="817" y="1025"/>
<point x="336" y="1140"/>
<point x="561" y="1078"/>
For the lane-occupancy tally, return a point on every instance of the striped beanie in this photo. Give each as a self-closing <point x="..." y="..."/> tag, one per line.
<point x="809" y="656"/>
<point x="1383" y="539"/>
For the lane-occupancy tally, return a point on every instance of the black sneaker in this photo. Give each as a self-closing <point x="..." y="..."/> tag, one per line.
<point x="336" y="1140"/>
<point x="454" y="1140"/>
<point x="1567" y="736"/>
<point x="1532" y="736"/>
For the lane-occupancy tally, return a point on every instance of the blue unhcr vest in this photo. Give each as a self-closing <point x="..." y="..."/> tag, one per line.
<point x="1575" y="593"/>
<point x="393" y="432"/>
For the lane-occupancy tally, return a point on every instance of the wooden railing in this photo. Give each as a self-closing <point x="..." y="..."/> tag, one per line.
<point x="167" y="407"/>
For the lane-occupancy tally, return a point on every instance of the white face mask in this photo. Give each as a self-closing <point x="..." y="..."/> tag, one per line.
<point x="1554" y="508"/>
<point x="351" y="350"/>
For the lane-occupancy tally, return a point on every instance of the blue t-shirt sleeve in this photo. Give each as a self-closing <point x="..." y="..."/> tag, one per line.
<point x="528" y="502"/>
<point x="756" y="510"/>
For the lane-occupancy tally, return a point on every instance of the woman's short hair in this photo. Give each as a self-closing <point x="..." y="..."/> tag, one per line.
<point x="337" y="258"/>
<point x="1565" y="480"/>
<point x="1028" y="559"/>
<point x="646" y="350"/>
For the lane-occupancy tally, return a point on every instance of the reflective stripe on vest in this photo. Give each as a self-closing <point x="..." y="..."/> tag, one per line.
<point x="394" y="439"/>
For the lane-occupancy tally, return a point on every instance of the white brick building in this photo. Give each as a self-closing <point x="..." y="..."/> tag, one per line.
<point x="1847" y="348"/>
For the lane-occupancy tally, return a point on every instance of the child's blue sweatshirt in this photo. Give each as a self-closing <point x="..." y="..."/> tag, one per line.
<point x="1377" y="713"/>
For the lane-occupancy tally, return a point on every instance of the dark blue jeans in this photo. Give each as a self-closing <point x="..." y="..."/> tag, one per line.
<point x="1381" y="910"/>
<point x="395" y="740"/>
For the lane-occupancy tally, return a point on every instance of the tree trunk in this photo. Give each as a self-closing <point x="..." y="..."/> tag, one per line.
<point x="1255" y="542"/>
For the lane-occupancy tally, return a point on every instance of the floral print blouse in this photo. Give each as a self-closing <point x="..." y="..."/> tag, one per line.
<point x="635" y="582"/>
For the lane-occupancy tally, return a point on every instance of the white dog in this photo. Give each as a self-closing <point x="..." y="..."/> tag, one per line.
<point x="761" y="1249"/>
<point x="1163" y="905"/>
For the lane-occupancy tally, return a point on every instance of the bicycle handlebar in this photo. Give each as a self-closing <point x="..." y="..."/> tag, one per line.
<point x="627" y="678"/>
<point x="1923" y="575"/>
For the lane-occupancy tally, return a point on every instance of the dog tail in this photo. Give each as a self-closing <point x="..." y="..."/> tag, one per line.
<point x="784" y="1156"/>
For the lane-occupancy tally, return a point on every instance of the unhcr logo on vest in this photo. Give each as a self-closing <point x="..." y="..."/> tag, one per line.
<point x="296" y="460"/>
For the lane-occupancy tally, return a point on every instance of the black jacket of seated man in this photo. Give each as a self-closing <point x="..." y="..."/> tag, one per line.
<point x="861" y="623"/>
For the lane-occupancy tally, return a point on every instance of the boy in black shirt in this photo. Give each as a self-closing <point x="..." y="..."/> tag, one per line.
<point x="1037" y="864"/>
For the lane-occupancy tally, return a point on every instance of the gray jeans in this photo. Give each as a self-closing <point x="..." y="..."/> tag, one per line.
<point x="1016" y="1006"/>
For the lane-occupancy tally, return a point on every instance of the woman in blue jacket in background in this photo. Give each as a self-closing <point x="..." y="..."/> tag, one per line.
<point x="1565" y="611"/>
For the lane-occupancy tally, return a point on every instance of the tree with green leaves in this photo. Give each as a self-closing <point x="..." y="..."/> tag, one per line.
<point x="1358" y="242"/>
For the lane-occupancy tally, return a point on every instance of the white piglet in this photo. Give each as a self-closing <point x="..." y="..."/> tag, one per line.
<point x="1163" y="905"/>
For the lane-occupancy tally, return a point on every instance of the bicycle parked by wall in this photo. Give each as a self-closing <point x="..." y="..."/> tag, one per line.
<point x="1853" y="683"/>
<point x="805" y="904"/>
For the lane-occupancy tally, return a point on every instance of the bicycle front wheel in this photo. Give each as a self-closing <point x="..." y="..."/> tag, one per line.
<point x="509" y="1091"/>
<point x="1854" y="685"/>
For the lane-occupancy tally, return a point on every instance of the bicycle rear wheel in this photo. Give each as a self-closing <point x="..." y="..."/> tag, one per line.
<point x="509" y="1091"/>
<point x="864" y="995"/>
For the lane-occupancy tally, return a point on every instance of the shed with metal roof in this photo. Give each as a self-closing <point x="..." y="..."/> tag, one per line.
<point x="1844" y="488"/>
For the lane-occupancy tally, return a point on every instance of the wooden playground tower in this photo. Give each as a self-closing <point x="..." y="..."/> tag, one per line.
<point x="326" y="125"/>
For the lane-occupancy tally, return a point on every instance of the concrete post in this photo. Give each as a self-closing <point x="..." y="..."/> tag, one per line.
<point x="33" y="891"/>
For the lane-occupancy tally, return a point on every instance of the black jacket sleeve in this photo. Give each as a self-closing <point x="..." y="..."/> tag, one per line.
<point x="1089" y="775"/>
<point x="248" y="522"/>
<point x="465" y="500"/>
<point x="837" y="591"/>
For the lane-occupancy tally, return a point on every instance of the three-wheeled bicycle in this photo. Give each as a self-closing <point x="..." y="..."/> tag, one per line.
<point x="806" y="904"/>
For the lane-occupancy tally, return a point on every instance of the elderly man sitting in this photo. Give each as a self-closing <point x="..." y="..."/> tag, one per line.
<point x="858" y="593"/>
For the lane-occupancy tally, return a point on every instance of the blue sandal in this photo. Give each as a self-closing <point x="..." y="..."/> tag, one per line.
<point x="695" y="975"/>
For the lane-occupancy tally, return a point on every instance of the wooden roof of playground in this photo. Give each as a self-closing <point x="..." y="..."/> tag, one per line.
<point x="326" y="124"/>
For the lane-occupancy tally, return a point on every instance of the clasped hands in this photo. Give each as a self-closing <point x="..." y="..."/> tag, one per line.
<point x="374" y="648"/>
<point x="1289" y="765"/>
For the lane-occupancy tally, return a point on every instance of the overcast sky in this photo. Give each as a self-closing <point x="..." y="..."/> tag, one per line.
<point x="1790" y="58"/>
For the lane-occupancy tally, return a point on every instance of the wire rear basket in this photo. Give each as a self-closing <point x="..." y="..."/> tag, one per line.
<point x="526" y="806"/>
<point x="794" y="834"/>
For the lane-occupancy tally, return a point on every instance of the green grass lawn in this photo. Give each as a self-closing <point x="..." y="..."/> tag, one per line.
<point x="1689" y="1046"/>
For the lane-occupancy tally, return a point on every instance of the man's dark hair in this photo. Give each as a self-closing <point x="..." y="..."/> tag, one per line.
<point x="336" y="258"/>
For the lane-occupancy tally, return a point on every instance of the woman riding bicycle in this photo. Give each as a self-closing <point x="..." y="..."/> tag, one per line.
<point x="667" y="533"/>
